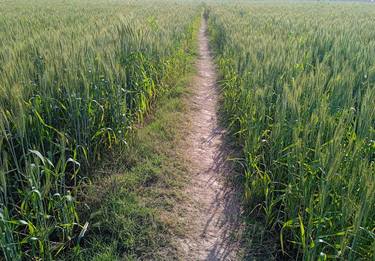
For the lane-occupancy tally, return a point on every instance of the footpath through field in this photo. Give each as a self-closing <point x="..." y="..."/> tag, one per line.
<point x="211" y="211"/>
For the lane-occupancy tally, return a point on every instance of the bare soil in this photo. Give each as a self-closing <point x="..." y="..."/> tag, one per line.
<point x="211" y="210"/>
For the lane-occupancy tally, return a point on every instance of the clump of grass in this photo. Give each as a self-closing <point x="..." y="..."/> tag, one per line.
<point x="74" y="80"/>
<point x="298" y="87"/>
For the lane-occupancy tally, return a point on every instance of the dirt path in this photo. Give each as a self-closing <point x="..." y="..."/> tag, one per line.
<point x="211" y="212"/>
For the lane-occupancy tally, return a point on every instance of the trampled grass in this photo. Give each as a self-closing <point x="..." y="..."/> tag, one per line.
<point x="74" y="78"/>
<point x="298" y="87"/>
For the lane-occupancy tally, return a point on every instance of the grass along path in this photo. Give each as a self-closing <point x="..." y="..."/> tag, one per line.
<point x="131" y="204"/>
<point x="211" y="209"/>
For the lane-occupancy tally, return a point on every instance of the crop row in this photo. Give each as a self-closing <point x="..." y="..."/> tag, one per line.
<point x="298" y="83"/>
<point x="74" y="79"/>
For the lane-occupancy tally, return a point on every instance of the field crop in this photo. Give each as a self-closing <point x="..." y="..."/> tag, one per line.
<point x="298" y="84"/>
<point x="75" y="76"/>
